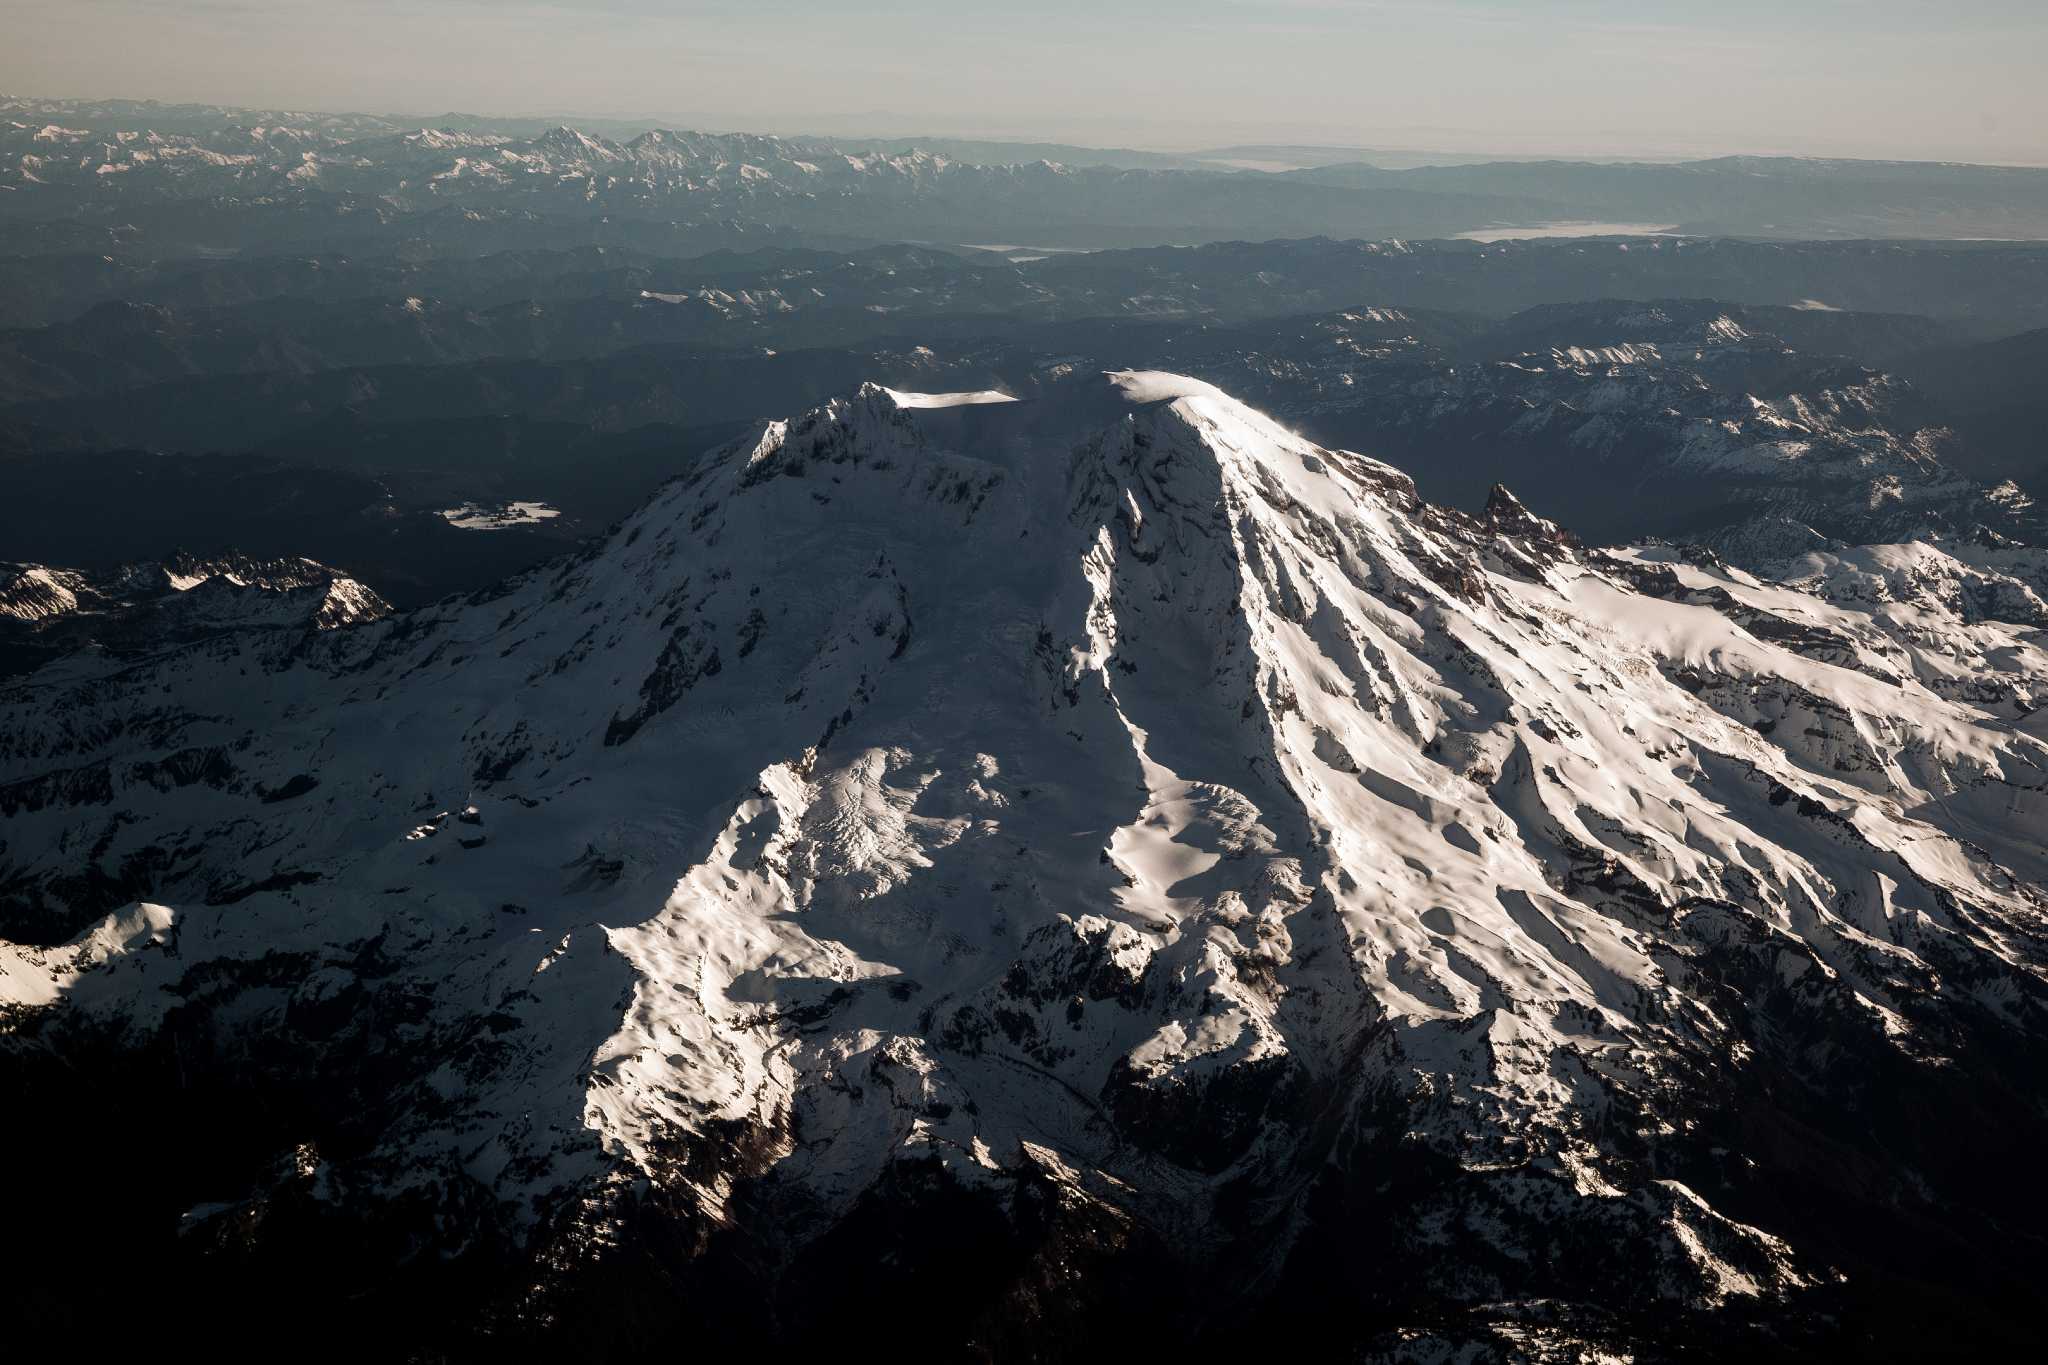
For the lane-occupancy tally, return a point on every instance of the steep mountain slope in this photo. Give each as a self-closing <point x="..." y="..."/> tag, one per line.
<point x="1055" y="873"/>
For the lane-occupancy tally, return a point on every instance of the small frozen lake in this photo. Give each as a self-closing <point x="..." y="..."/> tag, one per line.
<point x="473" y="516"/>
<point x="1517" y="234"/>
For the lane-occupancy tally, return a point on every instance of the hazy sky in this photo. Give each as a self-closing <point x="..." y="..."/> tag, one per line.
<point x="1912" y="78"/>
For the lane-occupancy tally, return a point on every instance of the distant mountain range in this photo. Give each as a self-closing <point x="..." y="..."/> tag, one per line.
<point x="221" y="179"/>
<point x="140" y="609"/>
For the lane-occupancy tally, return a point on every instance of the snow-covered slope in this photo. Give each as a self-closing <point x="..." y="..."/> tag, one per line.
<point x="1104" y="851"/>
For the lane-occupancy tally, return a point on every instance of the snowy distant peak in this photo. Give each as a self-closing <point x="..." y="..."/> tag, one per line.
<point x="46" y="612"/>
<point x="184" y="571"/>
<point x="31" y="593"/>
<point x="1617" y="336"/>
<point x="724" y="147"/>
<point x="442" y="140"/>
<point x="568" y="142"/>
<point x="726" y="171"/>
<point x="670" y="150"/>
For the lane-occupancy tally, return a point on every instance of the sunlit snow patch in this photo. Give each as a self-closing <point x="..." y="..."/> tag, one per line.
<point x="948" y="400"/>
<point x="472" y="516"/>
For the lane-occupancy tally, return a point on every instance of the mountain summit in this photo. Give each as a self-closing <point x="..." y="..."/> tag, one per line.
<point x="1102" y="865"/>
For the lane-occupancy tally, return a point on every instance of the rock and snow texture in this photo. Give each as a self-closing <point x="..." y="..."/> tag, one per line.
<point x="1674" y="418"/>
<point x="1111" y="810"/>
<point x="138" y="608"/>
<point x="471" y="516"/>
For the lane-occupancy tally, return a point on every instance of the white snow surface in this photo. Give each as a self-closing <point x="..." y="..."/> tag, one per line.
<point x="948" y="400"/>
<point x="1158" y="386"/>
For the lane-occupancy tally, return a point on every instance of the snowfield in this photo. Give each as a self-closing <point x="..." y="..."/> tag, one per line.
<point x="948" y="400"/>
<point x="1110" y="810"/>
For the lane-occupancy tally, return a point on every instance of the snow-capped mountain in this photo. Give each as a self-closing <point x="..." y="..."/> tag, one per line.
<point x="671" y="176"/>
<point x="1092" y="869"/>
<point x="138" y="609"/>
